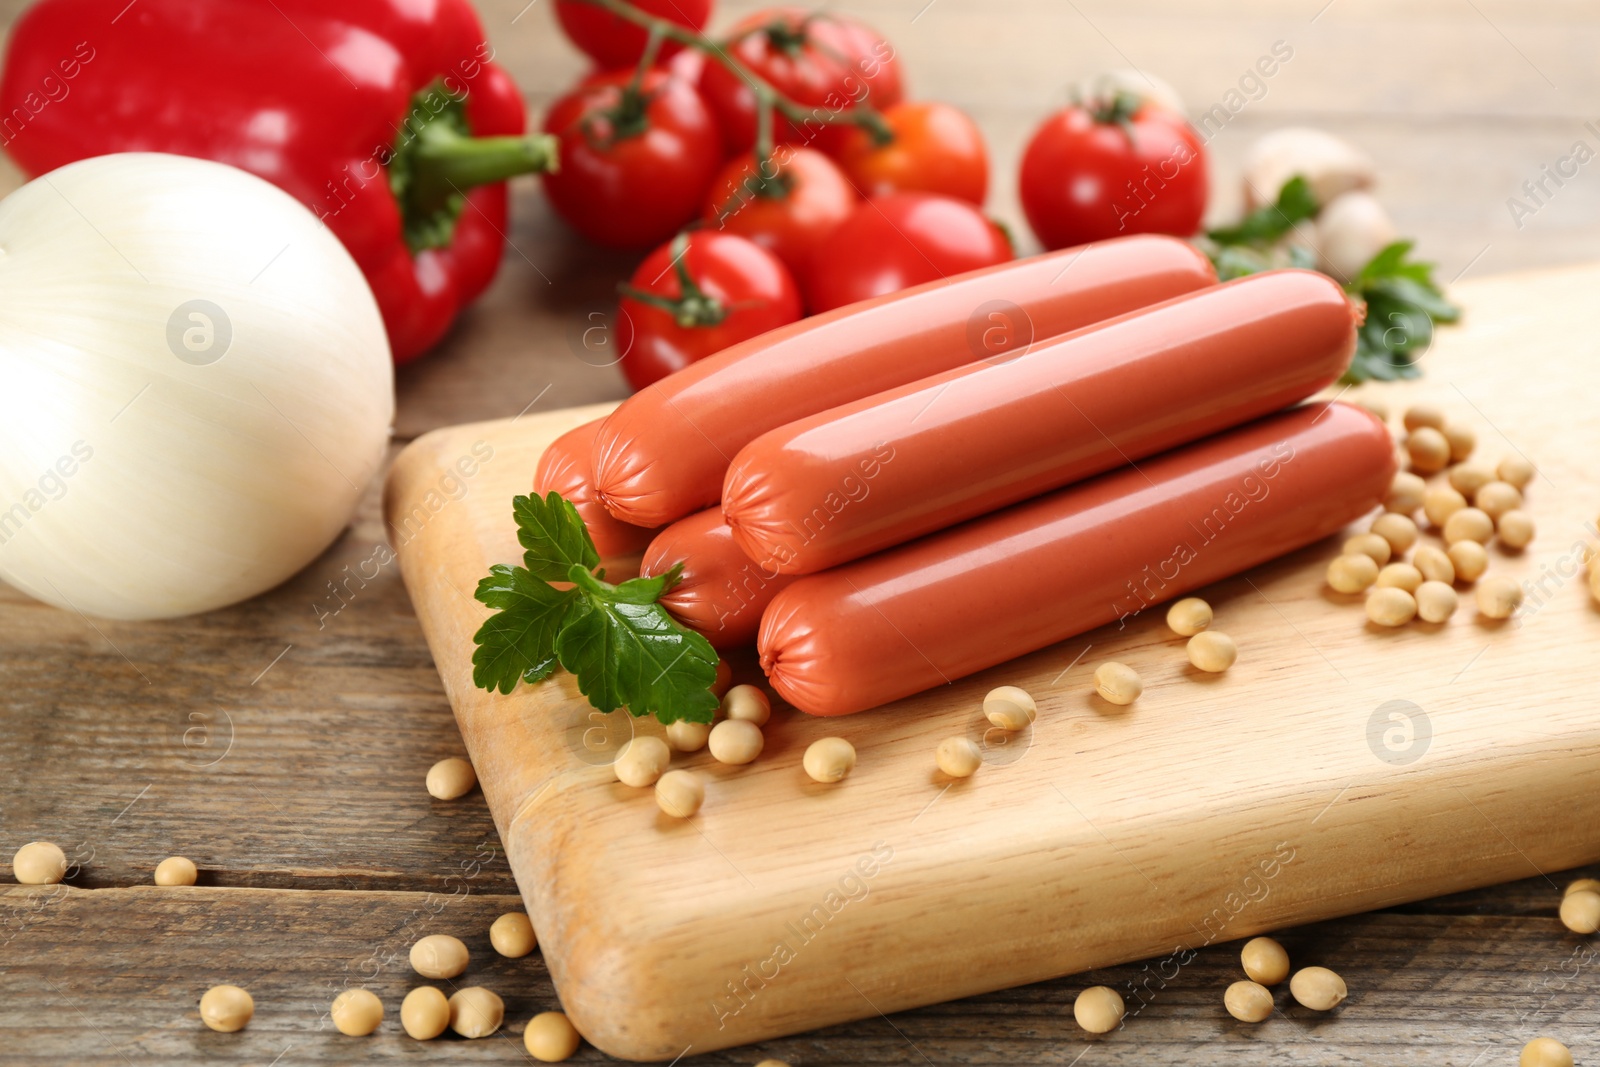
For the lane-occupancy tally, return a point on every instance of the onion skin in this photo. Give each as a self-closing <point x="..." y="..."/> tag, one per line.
<point x="195" y="386"/>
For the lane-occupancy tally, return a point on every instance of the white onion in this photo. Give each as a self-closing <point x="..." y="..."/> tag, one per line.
<point x="134" y="483"/>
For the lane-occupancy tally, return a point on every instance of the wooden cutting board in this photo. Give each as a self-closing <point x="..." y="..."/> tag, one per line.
<point x="1336" y="768"/>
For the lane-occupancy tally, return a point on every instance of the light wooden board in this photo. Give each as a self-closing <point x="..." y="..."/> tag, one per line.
<point x="1216" y="807"/>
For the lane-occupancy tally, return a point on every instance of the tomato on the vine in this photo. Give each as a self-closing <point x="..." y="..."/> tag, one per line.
<point x="788" y="204"/>
<point x="635" y="162"/>
<point x="1113" y="167"/>
<point x="903" y="239"/>
<point x="696" y="295"/>
<point x="613" y="42"/>
<point x="934" y="148"/>
<point x="820" y="60"/>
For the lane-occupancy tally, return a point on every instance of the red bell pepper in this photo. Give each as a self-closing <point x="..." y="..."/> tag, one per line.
<point x="387" y="118"/>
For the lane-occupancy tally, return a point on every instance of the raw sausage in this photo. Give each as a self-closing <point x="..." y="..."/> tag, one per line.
<point x="878" y="472"/>
<point x="995" y="588"/>
<point x="564" y="468"/>
<point x="721" y="593"/>
<point x="662" y="454"/>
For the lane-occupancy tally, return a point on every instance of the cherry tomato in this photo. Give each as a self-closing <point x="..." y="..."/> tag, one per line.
<point x="698" y="294"/>
<point x="817" y="59"/>
<point x="787" y="205"/>
<point x="903" y="239"/>
<point x="936" y="148"/>
<point x="635" y="166"/>
<point x="614" y="43"/>
<point x="1105" y="169"/>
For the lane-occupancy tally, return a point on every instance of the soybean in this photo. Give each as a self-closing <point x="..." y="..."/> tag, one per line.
<point x="39" y="863"/>
<point x="641" y="761"/>
<point x="451" y="778"/>
<point x="1469" y="524"/>
<point x="1118" y="682"/>
<point x="1470" y="559"/>
<point x="736" y="741"/>
<point x="1440" y="502"/>
<point x="1436" y="601"/>
<point x="1515" y="529"/>
<point x="226" y="1008"/>
<point x="1317" y="988"/>
<point x="1009" y="708"/>
<point x="550" y="1037"/>
<point x="425" y="1013"/>
<point x="1189" y="616"/>
<point x="1434" y="564"/>
<point x="439" y="956"/>
<point x="680" y="794"/>
<point x="357" y="1012"/>
<point x="1372" y="545"/>
<point x="1545" y="1052"/>
<point x="1428" y="449"/>
<point x="1406" y="493"/>
<point x="1399" y="576"/>
<point x="958" y="757"/>
<point x="829" y="759"/>
<point x="1391" y="606"/>
<point x="686" y="736"/>
<point x="1248" y="1002"/>
<point x="1098" y="1009"/>
<point x="476" y="1012"/>
<point x="1212" y="651"/>
<point x="1494" y="499"/>
<point x="1264" y="960"/>
<point x="1398" y="530"/>
<point x="1462" y="441"/>
<point x="1515" y="471"/>
<point x="1580" y="911"/>
<point x="1591" y="884"/>
<point x="1468" y="478"/>
<point x="1419" y="415"/>
<point x="176" y="870"/>
<point x="512" y="935"/>
<point x="1499" y="597"/>
<point x="1352" y="573"/>
<point x="747" y="703"/>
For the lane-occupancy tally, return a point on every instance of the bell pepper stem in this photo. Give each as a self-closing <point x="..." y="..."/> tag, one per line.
<point x="446" y="162"/>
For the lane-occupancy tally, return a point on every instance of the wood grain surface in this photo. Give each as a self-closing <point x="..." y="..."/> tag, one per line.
<point x="111" y="733"/>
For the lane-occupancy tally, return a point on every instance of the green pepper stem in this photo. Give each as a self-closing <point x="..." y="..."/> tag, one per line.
<point x="445" y="162"/>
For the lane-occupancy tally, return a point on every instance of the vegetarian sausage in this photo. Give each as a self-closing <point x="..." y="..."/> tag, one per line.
<point x="986" y="591"/>
<point x="880" y="471"/>
<point x="662" y="454"/>
<point x="721" y="592"/>
<point x="564" y="468"/>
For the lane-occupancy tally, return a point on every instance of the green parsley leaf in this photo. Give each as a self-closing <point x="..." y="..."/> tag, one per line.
<point x="629" y="653"/>
<point x="519" y="640"/>
<point x="1269" y="222"/>
<point x="553" y="535"/>
<point x="1403" y="303"/>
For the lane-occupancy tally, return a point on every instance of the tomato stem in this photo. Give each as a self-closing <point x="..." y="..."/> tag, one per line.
<point x="693" y="306"/>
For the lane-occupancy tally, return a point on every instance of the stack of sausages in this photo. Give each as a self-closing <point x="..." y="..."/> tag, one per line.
<point x="905" y="491"/>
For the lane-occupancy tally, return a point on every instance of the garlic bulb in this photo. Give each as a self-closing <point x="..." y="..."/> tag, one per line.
<point x="195" y="386"/>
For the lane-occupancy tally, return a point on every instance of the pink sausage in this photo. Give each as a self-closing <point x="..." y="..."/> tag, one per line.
<point x="721" y="593"/>
<point x="564" y="468"/>
<point x="989" y="590"/>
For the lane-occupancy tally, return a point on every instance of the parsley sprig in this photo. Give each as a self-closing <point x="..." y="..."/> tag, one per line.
<point x="1403" y="303"/>
<point x="558" y="609"/>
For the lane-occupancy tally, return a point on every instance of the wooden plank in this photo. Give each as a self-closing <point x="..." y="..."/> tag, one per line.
<point x="113" y="976"/>
<point x="1107" y="836"/>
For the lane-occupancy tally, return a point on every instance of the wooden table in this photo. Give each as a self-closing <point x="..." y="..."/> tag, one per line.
<point x="281" y="744"/>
